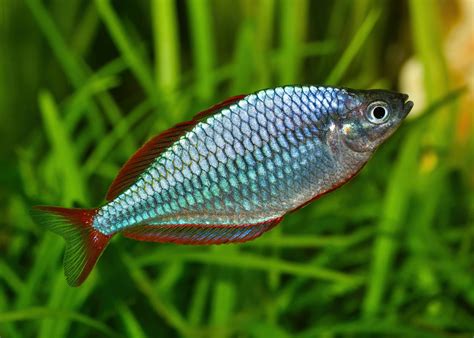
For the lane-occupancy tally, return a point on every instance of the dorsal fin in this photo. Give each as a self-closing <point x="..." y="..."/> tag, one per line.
<point x="147" y="153"/>
<point x="218" y="107"/>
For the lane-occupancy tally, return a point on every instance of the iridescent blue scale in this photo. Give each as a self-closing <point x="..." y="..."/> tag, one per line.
<point x="253" y="161"/>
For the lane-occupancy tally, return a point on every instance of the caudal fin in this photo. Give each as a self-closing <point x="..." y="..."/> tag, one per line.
<point x="84" y="244"/>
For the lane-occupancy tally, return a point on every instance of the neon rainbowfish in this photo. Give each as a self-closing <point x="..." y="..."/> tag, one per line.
<point x="233" y="171"/>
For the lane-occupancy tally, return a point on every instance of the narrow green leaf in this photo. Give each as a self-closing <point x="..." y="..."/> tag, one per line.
<point x="201" y="29"/>
<point x="10" y="277"/>
<point x="166" y="43"/>
<point x="110" y="140"/>
<point x="65" y="153"/>
<point x="392" y="218"/>
<point x="35" y="313"/>
<point x="222" y="307"/>
<point x="119" y="35"/>
<point x="130" y="322"/>
<point x="47" y="253"/>
<point x="66" y="298"/>
<point x="308" y="241"/>
<point x="351" y="51"/>
<point x="294" y="15"/>
<point x="251" y="261"/>
<point x="74" y="70"/>
<point x="162" y="308"/>
<point x="199" y="299"/>
<point x="426" y="22"/>
<point x="264" y="32"/>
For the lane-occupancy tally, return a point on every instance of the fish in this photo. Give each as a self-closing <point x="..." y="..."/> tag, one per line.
<point x="233" y="171"/>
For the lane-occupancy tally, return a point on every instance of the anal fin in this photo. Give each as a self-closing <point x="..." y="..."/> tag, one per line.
<point x="200" y="234"/>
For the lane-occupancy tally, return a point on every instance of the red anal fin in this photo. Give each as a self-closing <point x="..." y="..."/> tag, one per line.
<point x="84" y="244"/>
<point x="147" y="153"/>
<point x="200" y="234"/>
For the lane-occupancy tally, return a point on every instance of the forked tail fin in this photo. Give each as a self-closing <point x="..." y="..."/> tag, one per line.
<point x="84" y="244"/>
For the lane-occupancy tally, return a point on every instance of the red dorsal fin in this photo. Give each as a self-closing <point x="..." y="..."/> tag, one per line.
<point x="144" y="156"/>
<point x="147" y="153"/>
<point x="218" y="107"/>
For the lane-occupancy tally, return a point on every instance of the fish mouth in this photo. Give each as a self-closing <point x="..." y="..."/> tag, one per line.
<point x="407" y="106"/>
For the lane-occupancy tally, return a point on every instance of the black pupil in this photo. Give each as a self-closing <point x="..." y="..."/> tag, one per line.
<point x="379" y="112"/>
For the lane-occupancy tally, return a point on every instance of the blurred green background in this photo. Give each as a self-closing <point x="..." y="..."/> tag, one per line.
<point x="84" y="83"/>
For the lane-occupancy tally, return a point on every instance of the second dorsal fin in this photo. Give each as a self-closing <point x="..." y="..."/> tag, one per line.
<point x="218" y="107"/>
<point x="147" y="153"/>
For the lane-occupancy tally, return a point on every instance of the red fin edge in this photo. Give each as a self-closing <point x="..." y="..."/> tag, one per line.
<point x="200" y="234"/>
<point x="84" y="244"/>
<point x="217" y="107"/>
<point x="147" y="153"/>
<point x="144" y="156"/>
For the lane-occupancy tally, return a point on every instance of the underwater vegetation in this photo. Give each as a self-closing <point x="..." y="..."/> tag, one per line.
<point x="391" y="254"/>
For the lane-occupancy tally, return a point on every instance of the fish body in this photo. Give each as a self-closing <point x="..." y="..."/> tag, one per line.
<point x="235" y="170"/>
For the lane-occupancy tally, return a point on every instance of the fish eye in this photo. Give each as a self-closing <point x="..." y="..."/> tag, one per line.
<point x="378" y="112"/>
